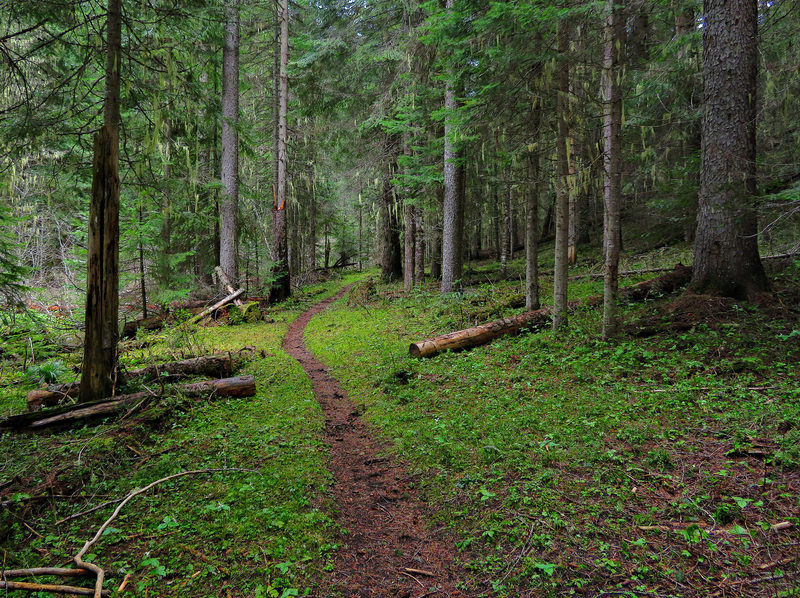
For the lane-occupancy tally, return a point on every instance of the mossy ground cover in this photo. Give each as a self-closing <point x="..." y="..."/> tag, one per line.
<point x="565" y="465"/>
<point x="263" y="528"/>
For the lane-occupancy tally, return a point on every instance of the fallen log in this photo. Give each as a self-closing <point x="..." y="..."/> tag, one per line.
<point x="217" y="305"/>
<point x="53" y="589"/>
<point x="152" y="323"/>
<point x="536" y="320"/>
<point x="219" y="365"/>
<point x="239" y="386"/>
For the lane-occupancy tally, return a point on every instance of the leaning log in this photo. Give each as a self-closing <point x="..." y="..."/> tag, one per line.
<point x="239" y="386"/>
<point x="226" y="282"/>
<point x="217" y="305"/>
<point x="536" y="320"/>
<point x="219" y="365"/>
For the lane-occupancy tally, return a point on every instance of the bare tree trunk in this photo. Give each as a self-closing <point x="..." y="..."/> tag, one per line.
<point x="562" y="184"/>
<point x="532" y="227"/>
<point x="436" y="237"/>
<point x="281" y="286"/>
<point x="612" y="158"/>
<point x="312" y="220"/>
<point x="102" y="278"/>
<point x="360" y="230"/>
<point x="726" y="258"/>
<point x="229" y="204"/>
<point x="453" y="206"/>
<point x="419" y="246"/>
<point x="391" y="263"/>
<point x="410" y="231"/>
<point x="506" y="241"/>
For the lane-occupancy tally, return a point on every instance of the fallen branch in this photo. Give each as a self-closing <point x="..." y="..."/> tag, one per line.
<point x="217" y="305"/>
<point x="55" y="589"/>
<point x="57" y="571"/>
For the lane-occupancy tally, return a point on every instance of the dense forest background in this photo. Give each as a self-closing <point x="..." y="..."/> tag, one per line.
<point x="367" y="125"/>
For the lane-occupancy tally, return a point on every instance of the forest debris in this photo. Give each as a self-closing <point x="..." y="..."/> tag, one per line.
<point x="54" y="589"/>
<point x="536" y="320"/>
<point x="246" y="312"/>
<point x="783" y="525"/>
<point x="226" y="282"/>
<point x="151" y="323"/>
<point x="218" y="364"/>
<point x="419" y="572"/>
<point x="217" y="305"/>
<point x="57" y="571"/>
<point x="238" y="386"/>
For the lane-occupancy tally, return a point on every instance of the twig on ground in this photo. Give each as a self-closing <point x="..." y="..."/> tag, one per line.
<point x="55" y="589"/>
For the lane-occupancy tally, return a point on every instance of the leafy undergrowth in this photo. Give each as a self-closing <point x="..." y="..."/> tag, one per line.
<point x="261" y="528"/>
<point x="656" y="465"/>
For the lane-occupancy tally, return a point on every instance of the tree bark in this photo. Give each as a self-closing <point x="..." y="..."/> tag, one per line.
<point x="419" y="246"/>
<point x="562" y="184"/>
<point x="281" y="287"/>
<point x="409" y="232"/>
<point x="229" y="204"/>
<point x="612" y="159"/>
<point x="391" y="262"/>
<point x="532" y="226"/>
<point x="453" y="205"/>
<point x="98" y="376"/>
<point x="726" y="258"/>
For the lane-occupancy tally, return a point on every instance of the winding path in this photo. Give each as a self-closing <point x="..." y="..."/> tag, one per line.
<point x="387" y="550"/>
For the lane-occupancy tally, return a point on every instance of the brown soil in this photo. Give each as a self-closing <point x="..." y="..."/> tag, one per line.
<point x="387" y="550"/>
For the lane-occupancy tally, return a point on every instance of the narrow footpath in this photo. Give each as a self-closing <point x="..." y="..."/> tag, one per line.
<point x="387" y="550"/>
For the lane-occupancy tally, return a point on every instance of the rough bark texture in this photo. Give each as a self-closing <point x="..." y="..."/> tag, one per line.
<point x="102" y="277"/>
<point x="419" y="246"/>
<point x="562" y="184"/>
<point x="391" y="258"/>
<point x="409" y="254"/>
<point x="451" y="241"/>
<point x="532" y="227"/>
<point x="102" y="299"/>
<point x="281" y="287"/>
<point x="436" y="238"/>
<point x="229" y="202"/>
<point x="612" y="160"/>
<point x="726" y="259"/>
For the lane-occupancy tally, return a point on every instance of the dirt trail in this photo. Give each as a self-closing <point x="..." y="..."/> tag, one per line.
<point x="388" y="551"/>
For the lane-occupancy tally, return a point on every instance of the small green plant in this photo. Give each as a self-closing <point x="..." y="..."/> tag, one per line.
<point x="48" y="372"/>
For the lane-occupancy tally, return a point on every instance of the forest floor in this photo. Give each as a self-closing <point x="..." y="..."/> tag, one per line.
<point x="665" y="463"/>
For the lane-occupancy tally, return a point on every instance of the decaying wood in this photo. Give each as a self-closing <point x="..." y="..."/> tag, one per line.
<point x="245" y="312"/>
<point x="217" y="305"/>
<point x="536" y="320"/>
<point x="218" y="364"/>
<point x="239" y="386"/>
<point x="226" y="282"/>
<point x="53" y="589"/>
<point x="151" y="323"/>
<point x="57" y="571"/>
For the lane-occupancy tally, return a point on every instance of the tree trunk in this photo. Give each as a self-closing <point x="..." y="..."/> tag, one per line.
<point x="410" y="230"/>
<point x="532" y="226"/>
<point x="451" y="241"/>
<point x="612" y="159"/>
<point x="229" y="204"/>
<point x="562" y="184"/>
<point x="99" y="370"/>
<point x="436" y="236"/>
<point x="281" y="287"/>
<point x="505" y="243"/>
<point x="419" y="246"/>
<point x="391" y="262"/>
<point x="726" y="259"/>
